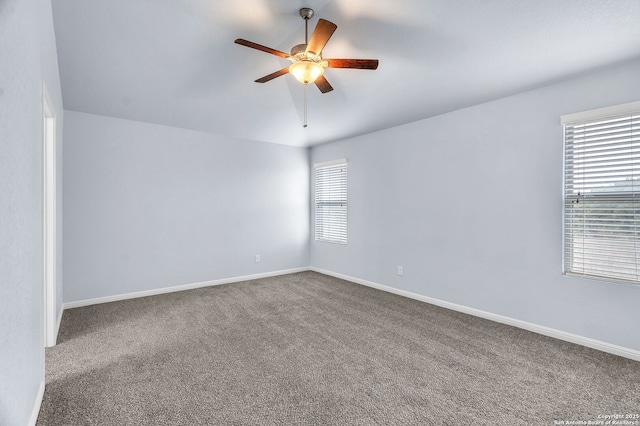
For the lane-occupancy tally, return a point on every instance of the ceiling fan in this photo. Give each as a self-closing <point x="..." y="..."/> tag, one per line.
<point x="307" y="62"/>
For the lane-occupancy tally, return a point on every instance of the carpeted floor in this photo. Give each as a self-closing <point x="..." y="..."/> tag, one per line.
<point x="308" y="349"/>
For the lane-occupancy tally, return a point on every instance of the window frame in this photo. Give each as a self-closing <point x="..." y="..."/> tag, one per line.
<point x="598" y="197"/>
<point x="332" y="231"/>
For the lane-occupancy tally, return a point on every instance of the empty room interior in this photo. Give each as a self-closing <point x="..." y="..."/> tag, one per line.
<point x="319" y="212"/>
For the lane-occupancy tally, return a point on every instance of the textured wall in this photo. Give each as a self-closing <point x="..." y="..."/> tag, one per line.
<point x="149" y="206"/>
<point x="28" y="56"/>
<point x="470" y="204"/>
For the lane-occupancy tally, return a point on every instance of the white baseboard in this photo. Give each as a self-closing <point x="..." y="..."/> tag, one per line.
<point x="36" y="406"/>
<point x="153" y="292"/>
<point x="546" y="331"/>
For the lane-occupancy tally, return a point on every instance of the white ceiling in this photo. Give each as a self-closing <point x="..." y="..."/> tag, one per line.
<point x="173" y="62"/>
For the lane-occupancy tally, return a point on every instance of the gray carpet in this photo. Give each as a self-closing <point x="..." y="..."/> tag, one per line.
<point x="307" y="349"/>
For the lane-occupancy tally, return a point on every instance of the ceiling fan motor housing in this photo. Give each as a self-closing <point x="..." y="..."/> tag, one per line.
<point x="298" y="49"/>
<point x="299" y="53"/>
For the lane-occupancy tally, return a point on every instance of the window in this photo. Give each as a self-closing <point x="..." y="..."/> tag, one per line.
<point x="331" y="201"/>
<point x="602" y="193"/>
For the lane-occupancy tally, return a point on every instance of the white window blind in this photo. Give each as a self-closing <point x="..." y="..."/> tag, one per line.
<point x="331" y="201"/>
<point x="602" y="193"/>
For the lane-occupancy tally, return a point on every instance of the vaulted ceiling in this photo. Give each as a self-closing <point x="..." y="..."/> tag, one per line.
<point x="174" y="62"/>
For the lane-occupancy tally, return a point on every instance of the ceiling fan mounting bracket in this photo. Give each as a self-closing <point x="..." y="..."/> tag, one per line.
<point x="306" y="13"/>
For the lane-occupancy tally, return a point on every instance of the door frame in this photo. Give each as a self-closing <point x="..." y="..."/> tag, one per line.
<point x="49" y="237"/>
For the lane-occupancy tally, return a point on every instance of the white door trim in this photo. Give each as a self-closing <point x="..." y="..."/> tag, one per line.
<point x="49" y="217"/>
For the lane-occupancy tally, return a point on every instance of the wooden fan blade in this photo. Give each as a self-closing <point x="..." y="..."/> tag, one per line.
<point x="323" y="84"/>
<point x="261" y="47"/>
<point x="361" y="64"/>
<point x="273" y="75"/>
<point x="321" y="35"/>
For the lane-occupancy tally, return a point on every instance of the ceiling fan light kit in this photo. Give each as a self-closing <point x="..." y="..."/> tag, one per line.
<point x="306" y="71"/>
<point x="307" y="63"/>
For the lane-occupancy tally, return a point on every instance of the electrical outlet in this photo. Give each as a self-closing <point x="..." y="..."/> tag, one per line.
<point x="400" y="270"/>
<point x="257" y="258"/>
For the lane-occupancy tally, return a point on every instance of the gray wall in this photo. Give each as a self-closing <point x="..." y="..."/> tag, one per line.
<point x="27" y="57"/>
<point x="149" y="206"/>
<point x="470" y="204"/>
